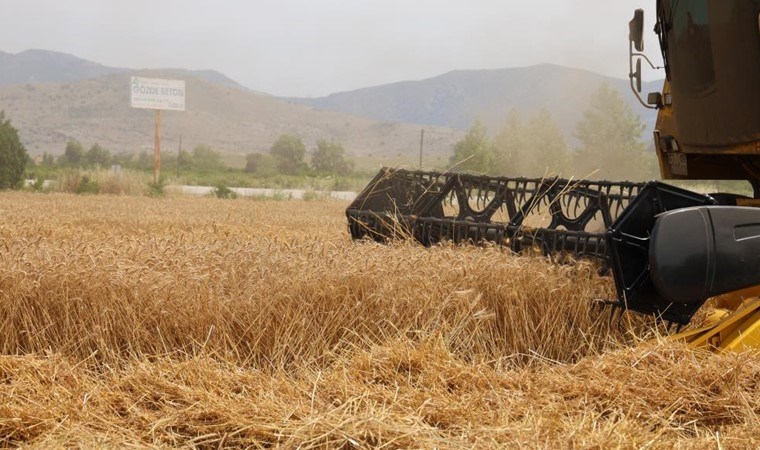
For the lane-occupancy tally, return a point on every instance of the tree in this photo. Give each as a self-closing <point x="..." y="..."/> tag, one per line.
<point x="330" y="158"/>
<point x="13" y="156"/>
<point x="184" y="159"/>
<point x="207" y="159"/>
<point x="474" y="152"/>
<point x="73" y="155"/>
<point x="549" y="154"/>
<point x="125" y="159"/>
<point x="610" y="139"/>
<point x="98" y="156"/>
<point x="261" y="164"/>
<point x="145" y="160"/>
<point x="288" y="152"/>
<point x="48" y="160"/>
<point x="509" y="146"/>
<point x="534" y="148"/>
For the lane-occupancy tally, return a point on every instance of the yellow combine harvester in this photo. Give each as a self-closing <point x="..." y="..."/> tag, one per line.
<point x="708" y="127"/>
<point x="668" y="249"/>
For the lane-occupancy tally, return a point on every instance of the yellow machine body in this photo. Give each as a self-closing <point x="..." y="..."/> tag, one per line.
<point x="708" y="126"/>
<point x="733" y="330"/>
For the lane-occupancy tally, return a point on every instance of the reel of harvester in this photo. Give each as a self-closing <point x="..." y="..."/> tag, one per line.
<point x="610" y="222"/>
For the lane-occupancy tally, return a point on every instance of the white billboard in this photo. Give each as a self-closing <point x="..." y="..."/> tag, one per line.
<point x="155" y="93"/>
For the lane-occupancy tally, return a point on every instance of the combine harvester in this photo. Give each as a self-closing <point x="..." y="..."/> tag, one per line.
<point x="668" y="249"/>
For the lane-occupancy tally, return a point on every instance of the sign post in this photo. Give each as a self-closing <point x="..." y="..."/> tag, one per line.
<point x="157" y="94"/>
<point x="157" y="151"/>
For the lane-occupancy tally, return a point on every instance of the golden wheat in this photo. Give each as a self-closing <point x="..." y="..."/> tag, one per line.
<point x="208" y="323"/>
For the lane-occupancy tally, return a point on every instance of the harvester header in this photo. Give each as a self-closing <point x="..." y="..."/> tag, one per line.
<point x="607" y="222"/>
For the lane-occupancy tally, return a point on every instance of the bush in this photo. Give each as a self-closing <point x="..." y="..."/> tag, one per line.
<point x="38" y="185"/>
<point x="120" y="183"/>
<point x="223" y="192"/>
<point x="330" y="158"/>
<point x="310" y="195"/>
<point x="108" y="182"/>
<point x="289" y="152"/>
<point x="206" y="159"/>
<point x="87" y="186"/>
<point x="261" y="164"/>
<point x="156" y="189"/>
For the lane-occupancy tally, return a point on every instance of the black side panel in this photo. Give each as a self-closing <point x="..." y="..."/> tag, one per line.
<point x="698" y="253"/>
<point x="628" y="247"/>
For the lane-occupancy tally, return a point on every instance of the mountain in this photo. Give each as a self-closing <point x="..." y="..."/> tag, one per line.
<point x="53" y="97"/>
<point x="228" y="119"/>
<point x="45" y="66"/>
<point x="457" y="98"/>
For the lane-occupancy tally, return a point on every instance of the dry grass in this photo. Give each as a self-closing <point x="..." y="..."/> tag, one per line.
<point x="125" y="182"/>
<point x="199" y="322"/>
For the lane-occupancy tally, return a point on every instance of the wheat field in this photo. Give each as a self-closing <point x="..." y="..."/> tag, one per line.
<point x="204" y="323"/>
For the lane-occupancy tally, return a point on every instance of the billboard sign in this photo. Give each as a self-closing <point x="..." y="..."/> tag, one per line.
<point x="155" y="93"/>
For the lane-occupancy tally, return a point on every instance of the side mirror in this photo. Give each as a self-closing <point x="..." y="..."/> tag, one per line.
<point x="636" y="39"/>
<point x="636" y="30"/>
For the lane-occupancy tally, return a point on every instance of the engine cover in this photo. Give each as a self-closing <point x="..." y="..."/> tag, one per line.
<point x="700" y="252"/>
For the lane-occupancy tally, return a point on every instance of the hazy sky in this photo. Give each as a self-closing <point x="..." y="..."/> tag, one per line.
<point x="316" y="47"/>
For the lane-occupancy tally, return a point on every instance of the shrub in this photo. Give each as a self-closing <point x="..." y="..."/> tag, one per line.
<point x="330" y="158"/>
<point x="38" y="185"/>
<point x="311" y="195"/>
<point x="109" y="182"/>
<point x="87" y="186"/>
<point x="224" y="192"/>
<point x="156" y="189"/>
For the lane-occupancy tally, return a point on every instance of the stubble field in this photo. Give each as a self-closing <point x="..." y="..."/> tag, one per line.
<point x="130" y="321"/>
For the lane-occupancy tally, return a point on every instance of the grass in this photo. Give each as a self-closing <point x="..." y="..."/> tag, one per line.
<point x="102" y="181"/>
<point x="135" y="182"/>
<point x="195" y="322"/>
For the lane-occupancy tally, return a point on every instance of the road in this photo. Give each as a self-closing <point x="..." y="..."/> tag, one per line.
<point x="295" y="194"/>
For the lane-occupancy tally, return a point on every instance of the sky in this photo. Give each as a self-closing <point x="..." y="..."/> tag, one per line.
<point x="309" y="48"/>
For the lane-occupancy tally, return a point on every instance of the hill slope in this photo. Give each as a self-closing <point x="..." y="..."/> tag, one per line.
<point x="45" y="66"/>
<point x="457" y="98"/>
<point x="228" y="119"/>
<point x="53" y="97"/>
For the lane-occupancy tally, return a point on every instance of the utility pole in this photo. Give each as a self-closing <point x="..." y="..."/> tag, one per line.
<point x="157" y="153"/>
<point x="422" y="141"/>
<point x="179" y="152"/>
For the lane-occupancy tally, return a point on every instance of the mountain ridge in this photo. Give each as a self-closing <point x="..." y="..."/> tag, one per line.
<point x="229" y="120"/>
<point x="47" y="66"/>
<point x="377" y="120"/>
<point x="458" y="97"/>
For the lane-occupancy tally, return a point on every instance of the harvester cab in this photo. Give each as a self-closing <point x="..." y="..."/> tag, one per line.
<point x="668" y="249"/>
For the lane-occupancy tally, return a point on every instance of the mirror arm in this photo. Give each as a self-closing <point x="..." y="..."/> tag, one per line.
<point x="651" y="64"/>
<point x="641" y="100"/>
<point x="631" y="77"/>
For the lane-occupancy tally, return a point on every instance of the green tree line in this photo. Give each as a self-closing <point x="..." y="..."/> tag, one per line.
<point x="608" y="134"/>
<point x="287" y="156"/>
